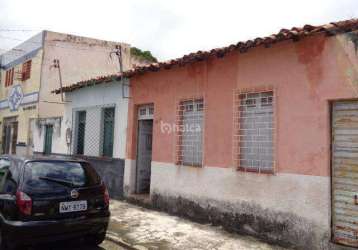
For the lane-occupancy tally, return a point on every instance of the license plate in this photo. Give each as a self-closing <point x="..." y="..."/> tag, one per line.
<point x="73" y="206"/>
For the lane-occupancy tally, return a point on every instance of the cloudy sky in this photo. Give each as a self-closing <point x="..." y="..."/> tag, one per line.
<point x="168" y="28"/>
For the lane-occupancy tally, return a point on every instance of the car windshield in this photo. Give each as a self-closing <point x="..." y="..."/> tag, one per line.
<point x="56" y="176"/>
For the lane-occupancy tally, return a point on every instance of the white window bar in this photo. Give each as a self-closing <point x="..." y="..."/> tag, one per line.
<point x="254" y="131"/>
<point x="190" y="117"/>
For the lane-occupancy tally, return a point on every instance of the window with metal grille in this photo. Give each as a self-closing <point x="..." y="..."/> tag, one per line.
<point x="108" y="131"/>
<point x="81" y="128"/>
<point x="26" y="70"/>
<point x="9" y="77"/>
<point x="255" y="131"/>
<point x="190" y="132"/>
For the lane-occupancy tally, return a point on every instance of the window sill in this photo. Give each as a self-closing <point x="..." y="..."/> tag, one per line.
<point x="256" y="170"/>
<point x="179" y="164"/>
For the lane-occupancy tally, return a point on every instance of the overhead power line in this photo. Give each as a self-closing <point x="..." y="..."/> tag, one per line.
<point x="17" y="30"/>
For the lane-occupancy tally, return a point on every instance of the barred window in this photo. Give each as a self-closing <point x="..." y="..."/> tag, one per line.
<point x="108" y="131"/>
<point x="190" y="132"/>
<point x="26" y="70"/>
<point x="256" y="131"/>
<point x="94" y="130"/>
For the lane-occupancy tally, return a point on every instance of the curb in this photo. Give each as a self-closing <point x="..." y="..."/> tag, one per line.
<point x="110" y="236"/>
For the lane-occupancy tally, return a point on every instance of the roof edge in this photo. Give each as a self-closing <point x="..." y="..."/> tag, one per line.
<point x="294" y="34"/>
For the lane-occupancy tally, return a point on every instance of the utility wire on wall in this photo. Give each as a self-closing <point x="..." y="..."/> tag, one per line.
<point x="56" y="65"/>
<point x="119" y="53"/>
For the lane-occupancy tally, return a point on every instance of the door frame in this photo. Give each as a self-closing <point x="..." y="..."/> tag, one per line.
<point x="148" y="115"/>
<point x="330" y="116"/>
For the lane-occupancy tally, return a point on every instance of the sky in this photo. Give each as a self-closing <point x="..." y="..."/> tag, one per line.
<point x="167" y="28"/>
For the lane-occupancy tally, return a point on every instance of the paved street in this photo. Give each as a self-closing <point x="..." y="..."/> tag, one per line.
<point x="149" y="229"/>
<point x="107" y="245"/>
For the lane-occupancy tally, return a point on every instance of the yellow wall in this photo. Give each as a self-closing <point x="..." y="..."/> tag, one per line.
<point x="29" y="86"/>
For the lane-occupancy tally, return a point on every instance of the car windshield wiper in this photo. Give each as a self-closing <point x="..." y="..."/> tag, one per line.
<point x="63" y="182"/>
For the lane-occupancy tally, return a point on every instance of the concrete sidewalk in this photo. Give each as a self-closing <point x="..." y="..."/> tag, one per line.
<point x="147" y="229"/>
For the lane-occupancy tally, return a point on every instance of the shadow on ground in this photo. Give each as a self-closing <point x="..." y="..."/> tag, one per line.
<point x="71" y="245"/>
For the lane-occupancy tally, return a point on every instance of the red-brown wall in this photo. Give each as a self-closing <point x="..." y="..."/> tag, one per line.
<point x="305" y="76"/>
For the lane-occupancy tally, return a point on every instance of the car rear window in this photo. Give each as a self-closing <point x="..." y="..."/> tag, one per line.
<point x="56" y="176"/>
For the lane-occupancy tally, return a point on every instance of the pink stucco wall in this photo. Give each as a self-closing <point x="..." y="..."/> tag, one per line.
<point x="304" y="75"/>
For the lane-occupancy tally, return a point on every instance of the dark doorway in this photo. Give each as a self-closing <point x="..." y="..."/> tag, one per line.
<point x="108" y="131"/>
<point x="48" y="139"/>
<point x="81" y="128"/>
<point x="10" y="135"/>
<point x="144" y="152"/>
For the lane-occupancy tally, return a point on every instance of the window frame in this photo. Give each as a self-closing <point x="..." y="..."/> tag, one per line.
<point x="179" y="129"/>
<point x="236" y="129"/>
<point x="26" y="70"/>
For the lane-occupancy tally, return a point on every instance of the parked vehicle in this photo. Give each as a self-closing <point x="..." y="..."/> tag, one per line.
<point x="46" y="199"/>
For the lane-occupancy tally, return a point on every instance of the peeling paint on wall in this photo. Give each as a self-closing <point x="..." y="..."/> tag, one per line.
<point x="309" y="53"/>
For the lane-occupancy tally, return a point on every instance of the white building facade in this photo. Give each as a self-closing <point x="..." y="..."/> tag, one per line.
<point x="94" y="123"/>
<point x="69" y="59"/>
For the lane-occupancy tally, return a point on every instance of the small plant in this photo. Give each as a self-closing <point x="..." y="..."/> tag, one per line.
<point x="144" y="55"/>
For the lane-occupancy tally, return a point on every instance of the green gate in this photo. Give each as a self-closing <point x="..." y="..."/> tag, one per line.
<point x="48" y="139"/>
<point x="108" y="131"/>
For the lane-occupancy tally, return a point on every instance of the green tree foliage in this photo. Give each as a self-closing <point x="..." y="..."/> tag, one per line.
<point x="144" y="55"/>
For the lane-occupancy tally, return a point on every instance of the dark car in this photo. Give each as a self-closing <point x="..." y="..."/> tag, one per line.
<point x="44" y="200"/>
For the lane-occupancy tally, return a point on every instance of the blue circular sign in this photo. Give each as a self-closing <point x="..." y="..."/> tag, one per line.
<point x="15" y="97"/>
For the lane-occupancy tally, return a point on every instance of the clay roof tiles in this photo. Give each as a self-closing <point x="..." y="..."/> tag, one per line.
<point x="242" y="46"/>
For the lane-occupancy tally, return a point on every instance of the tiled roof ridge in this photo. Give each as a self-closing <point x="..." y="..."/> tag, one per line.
<point x="294" y="33"/>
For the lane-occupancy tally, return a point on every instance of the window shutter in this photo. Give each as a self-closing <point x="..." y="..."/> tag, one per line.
<point x="6" y="78"/>
<point x="26" y="70"/>
<point x="9" y="77"/>
<point x="12" y="76"/>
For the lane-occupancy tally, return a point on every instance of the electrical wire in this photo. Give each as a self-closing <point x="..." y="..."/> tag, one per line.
<point x="17" y="30"/>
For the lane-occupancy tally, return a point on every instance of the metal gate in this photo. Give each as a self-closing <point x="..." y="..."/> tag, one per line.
<point x="345" y="173"/>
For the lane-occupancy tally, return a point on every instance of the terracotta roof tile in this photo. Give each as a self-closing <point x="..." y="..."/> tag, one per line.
<point x="243" y="46"/>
